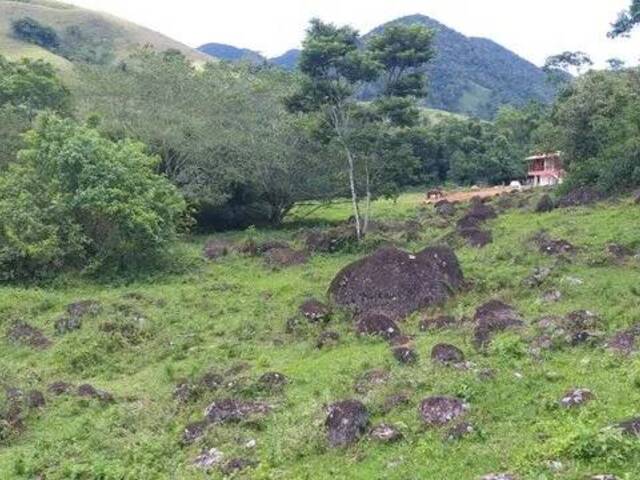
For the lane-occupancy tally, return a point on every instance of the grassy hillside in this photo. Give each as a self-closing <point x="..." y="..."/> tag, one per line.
<point x="123" y="36"/>
<point x="229" y="317"/>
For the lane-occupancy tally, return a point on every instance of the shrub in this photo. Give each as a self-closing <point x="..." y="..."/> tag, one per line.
<point x="76" y="199"/>
<point x="32" y="31"/>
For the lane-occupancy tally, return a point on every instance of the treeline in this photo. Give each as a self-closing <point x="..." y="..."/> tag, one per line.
<point x="108" y="174"/>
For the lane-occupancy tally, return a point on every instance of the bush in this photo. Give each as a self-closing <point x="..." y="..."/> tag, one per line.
<point x="32" y="31"/>
<point x="75" y="199"/>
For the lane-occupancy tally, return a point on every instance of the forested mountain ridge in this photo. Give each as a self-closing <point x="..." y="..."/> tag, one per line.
<point x="469" y="75"/>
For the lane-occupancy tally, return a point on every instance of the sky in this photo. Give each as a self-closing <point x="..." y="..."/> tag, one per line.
<point x="533" y="29"/>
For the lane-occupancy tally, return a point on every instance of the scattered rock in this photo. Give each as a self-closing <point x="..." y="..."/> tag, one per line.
<point x="625" y="342"/>
<point x="552" y="296"/>
<point x="272" y="381"/>
<point x="328" y="339"/>
<point x="385" y="433"/>
<point x="331" y="240"/>
<point x="580" y="196"/>
<point x="445" y="208"/>
<point x="84" y="308"/>
<point x="397" y="283"/>
<point x="346" y="422"/>
<point x="549" y="246"/>
<point x="499" y="476"/>
<point x="66" y="325"/>
<point x="236" y="465"/>
<point x="475" y="237"/>
<point x="35" y="399"/>
<point x="394" y="401"/>
<point x="494" y="316"/>
<point x="447" y="354"/>
<point x="89" y="391"/>
<point x="545" y="204"/>
<point x="231" y="410"/>
<point x="193" y="431"/>
<point x="315" y="311"/>
<point x="459" y="431"/>
<point x="439" y="411"/>
<point x="537" y="277"/>
<point x="209" y="459"/>
<point x="576" y="398"/>
<point x="581" y="321"/>
<point x="24" y="334"/>
<point x="405" y="355"/>
<point x="437" y="323"/>
<point x="211" y="381"/>
<point x="371" y="379"/>
<point x="631" y="427"/>
<point x="371" y="323"/>
<point x="216" y="248"/>
<point x="619" y="252"/>
<point x="285" y="257"/>
<point x="185" y="392"/>
<point x="60" y="388"/>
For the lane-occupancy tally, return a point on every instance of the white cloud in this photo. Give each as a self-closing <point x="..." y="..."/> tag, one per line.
<point x="531" y="29"/>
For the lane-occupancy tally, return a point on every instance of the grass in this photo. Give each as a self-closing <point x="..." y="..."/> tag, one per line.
<point x="232" y="313"/>
<point x="124" y="35"/>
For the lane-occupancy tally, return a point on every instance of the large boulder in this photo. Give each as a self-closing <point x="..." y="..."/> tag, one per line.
<point x="580" y="196"/>
<point x="346" y="422"/>
<point x="397" y="283"/>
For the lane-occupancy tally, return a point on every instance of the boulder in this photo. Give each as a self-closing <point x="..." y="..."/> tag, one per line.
<point x="619" y="252"/>
<point x="314" y="310"/>
<point x="437" y="323"/>
<point x="494" y="316"/>
<point x="193" y="432"/>
<point x="331" y="240"/>
<point x="236" y="465"/>
<point x="545" y="204"/>
<point x="370" y="380"/>
<point x="397" y="283"/>
<point x="216" y="248"/>
<point x="377" y="324"/>
<point x="24" y="334"/>
<point x="476" y="237"/>
<point x="232" y="410"/>
<point x="405" y="354"/>
<point x="84" y="308"/>
<point x="89" y="391"/>
<point x="327" y="339"/>
<point x="394" y="401"/>
<point x="445" y="208"/>
<point x="285" y="257"/>
<point x="459" y="431"/>
<point x="35" y="399"/>
<point x="576" y="398"/>
<point x="580" y="196"/>
<point x="272" y="381"/>
<point x="385" y="433"/>
<point x="630" y="427"/>
<point x="447" y="354"/>
<point x="440" y="411"/>
<point x="346" y="422"/>
<point x="209" y="459"/>
<point x="499" y="476"/>
<point x="60" y="388"/>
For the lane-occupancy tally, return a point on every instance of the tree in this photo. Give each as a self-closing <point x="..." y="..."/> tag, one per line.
<point x="616" y="64"/>
<point x="221" y="131"/>
<point x="568" y="62"/>
<point x="76" y="199"/>
<point x="32" y="85"/>
<point x="626" y="21"/>
<point x="336" y="67"/>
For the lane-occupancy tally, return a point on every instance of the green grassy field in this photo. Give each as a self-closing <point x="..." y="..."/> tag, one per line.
<point x="229" y="317"/>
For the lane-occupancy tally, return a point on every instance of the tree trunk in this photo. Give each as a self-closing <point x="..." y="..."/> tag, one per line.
<point x="367" y="210"/>
<point x="354" y="193"/>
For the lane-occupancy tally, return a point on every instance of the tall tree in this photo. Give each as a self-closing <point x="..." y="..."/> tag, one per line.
<point x="626" y="21"/>
<point x="336" y="66"/>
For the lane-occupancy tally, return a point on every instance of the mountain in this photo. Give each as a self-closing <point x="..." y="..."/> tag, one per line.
<point x="231" y="53"/>
<point x="288" y="60"/>
<point x="83" y="34"/>
<point x="471" y="76"/>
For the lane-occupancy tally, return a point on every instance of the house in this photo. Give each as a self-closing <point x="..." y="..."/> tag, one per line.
<point x="546" y="169"/>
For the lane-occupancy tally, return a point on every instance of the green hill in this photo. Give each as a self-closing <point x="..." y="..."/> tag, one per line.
<point x="126" y="366"/>
<point x="81" y="31"/>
